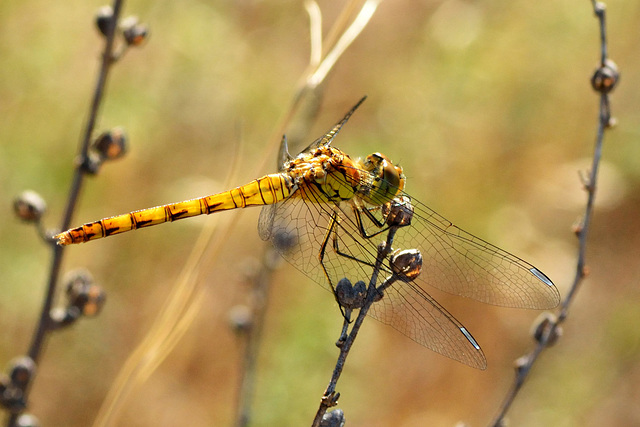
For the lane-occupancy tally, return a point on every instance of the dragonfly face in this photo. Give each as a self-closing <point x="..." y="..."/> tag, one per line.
<point x="387" y="179"/>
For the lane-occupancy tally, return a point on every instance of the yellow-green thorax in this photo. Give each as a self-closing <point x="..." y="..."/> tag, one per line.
<point x="332" y="177"/>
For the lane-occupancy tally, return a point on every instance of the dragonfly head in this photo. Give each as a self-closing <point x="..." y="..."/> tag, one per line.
<point x="387" y="179"/>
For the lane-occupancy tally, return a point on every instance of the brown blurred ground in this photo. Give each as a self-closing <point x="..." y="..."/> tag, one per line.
<point x="488" y="108"/>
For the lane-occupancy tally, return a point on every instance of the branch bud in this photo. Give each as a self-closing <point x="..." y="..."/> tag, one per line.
<point x="351" y="296"/>
<point x="110" y="145"/>
<point x="21" y="371"/>
<point x="240" y="318"/>
<point x="543" y="329"/>
<point x="398" y="212"/>
<point x="406" y="264"/>
<point x="29" y="206"/>
<point x="606" y="77"/>
<point x="104" y="18"/>
<point x="82" y="293"/>
<point x="134" y="33"/>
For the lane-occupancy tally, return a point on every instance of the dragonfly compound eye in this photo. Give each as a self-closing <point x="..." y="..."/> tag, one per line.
<point x="388" y="180"/>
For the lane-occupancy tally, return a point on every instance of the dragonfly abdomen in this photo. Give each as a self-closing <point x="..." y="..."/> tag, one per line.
<point x="267" y="190"/>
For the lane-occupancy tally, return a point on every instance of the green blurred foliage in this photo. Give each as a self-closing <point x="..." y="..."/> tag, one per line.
<point x="486" y="105"/>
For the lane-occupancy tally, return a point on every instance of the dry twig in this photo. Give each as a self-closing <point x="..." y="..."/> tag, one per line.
<point x="550" y="327"/>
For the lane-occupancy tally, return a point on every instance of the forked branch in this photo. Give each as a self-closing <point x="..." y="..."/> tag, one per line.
<point x="405" y="265"/>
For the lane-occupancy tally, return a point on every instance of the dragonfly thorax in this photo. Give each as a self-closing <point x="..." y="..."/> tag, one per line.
<point x="333" y="175"/>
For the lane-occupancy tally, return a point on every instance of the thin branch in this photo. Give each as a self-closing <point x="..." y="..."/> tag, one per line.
<point x="373" y="294"/>
<point x="76" y="184"/>
<point x="45" y="323"/>
<point x="349" y="35"/>
<point x="330" y="397"/>
<point x="603" y="81"/>
<point x="315" y="32"/>
<point x="252" y="327"/>
<point x="305" y="101"/>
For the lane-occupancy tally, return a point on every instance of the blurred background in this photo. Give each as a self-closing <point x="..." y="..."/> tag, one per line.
<point x="486" y="105"/>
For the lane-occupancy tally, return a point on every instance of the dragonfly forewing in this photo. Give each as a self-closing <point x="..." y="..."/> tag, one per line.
<point x="298" y="229"/>
<point x="460" y="263"/>
<point x="331" y="241"/>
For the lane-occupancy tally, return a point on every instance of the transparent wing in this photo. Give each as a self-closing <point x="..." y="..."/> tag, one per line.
<point x="460" y="263"/>
<point x="453" y="261"/>
<point x="299" y="229"/>
<point x="413" y="312"/>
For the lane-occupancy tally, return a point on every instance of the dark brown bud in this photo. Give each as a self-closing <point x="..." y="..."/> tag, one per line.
<point x="104" y="19"/>
<point x="82" y="293"/>
<point x="351" y="296"/>
<point x="406" y="264"/>
<point x="606" y="77"/>
<point x="29" y="206"/>
<point x="21" y="371"/>
<point x="398" y="212"/>
<point x="577" y="227"/>
<point x="134" y="33"/>
<point x="544" y="329"/>
<point x="110" y="145"/>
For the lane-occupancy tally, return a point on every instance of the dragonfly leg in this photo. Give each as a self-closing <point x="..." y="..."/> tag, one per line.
<point x="337" y="250"/>
<point x="332" y="235"/>
<point x="321" y="254"/>
<point x="397" y="213"/>
<point x="323" y="249"/>
<point x="346" y="301"/>
<point x="361" y="230"/>
<point x="375" y="221"/>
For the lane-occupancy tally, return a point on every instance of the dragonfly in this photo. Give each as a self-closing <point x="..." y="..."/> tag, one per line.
<point x="325" y="211"/>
